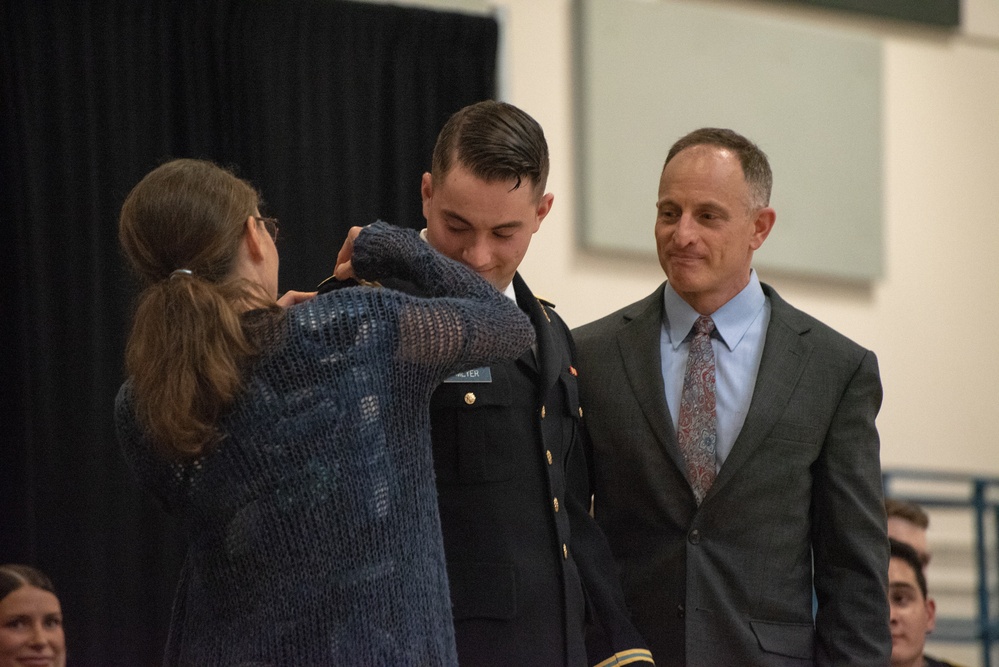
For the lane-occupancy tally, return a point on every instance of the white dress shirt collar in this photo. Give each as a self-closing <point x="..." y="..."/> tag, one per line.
<point x="732" y="320"/>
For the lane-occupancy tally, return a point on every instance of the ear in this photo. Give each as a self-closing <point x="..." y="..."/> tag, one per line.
<point x="426" y="192"/>
<point x="253" y="240"/>
<point x="544" y="207"/>
<point x="931" y="615"/>
<point x="764" y="222"/>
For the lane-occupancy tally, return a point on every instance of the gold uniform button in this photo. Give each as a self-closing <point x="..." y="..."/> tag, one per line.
<point x="542" y="412"/>
<point x="548" y="453"/>
<point x="469" y="398"/>
<point x="565" y="551"/>
<point x="555" y="502"/>
<point x="580" y="412"/>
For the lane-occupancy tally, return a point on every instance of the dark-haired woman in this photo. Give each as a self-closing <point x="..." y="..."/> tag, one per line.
<point x="31" y="631"/>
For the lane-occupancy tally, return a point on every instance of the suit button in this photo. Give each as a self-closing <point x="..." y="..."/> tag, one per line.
<point x="680" y="611"/>
<point x="469" y="398"/>
<point x="694" y="536"/>
<point x="542" y="412"/>
<point x="581" y="412"/>
<point x="555" y="503"/>
<point x="565" y="551"/>
<point x="548" y="453"/>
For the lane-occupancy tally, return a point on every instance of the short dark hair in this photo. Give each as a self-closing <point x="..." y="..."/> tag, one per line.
<point x="755" y="166"/>
<point x="903" y="551"/>
<point x="495" y="141"/>
<point x="911" y="512"/>
<point x="13" y="577"/>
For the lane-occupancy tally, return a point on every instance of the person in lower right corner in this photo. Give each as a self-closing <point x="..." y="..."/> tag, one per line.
<point x="913" y="612"/>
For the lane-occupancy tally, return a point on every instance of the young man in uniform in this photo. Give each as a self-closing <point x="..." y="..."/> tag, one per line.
<point x="533" y="582"/>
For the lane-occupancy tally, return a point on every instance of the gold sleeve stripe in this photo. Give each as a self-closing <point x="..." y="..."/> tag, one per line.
<point x="627" y="658"/>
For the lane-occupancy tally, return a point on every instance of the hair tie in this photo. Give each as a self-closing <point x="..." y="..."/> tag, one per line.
<point x="185" y="272"/>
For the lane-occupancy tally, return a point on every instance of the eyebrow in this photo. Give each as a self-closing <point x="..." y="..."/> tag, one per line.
<point x="902" y="584"/>
<point x="504" y="225"/>
<point x="710" y="203"/>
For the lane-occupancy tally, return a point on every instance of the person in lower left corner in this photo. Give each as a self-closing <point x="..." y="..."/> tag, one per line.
<point x="31" y="630"/>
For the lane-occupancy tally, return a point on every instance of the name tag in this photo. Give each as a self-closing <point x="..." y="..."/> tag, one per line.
<point x="483" y="374"/>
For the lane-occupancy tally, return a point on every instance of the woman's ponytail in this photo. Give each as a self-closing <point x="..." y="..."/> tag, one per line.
<point x="180" y="229"/>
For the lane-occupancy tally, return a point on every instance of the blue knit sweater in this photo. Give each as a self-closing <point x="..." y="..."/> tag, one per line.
<point x="313" y="525"/>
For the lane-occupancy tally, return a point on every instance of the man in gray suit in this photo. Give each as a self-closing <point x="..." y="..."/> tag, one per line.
<point x="719" y="555"/>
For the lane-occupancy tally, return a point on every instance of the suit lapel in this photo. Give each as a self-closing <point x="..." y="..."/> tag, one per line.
<point x="548" y="362"/>
<point x="638" y="345"/>
<point x="785" y="354"/>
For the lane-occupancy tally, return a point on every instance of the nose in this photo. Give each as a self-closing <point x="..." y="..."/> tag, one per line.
<point x="476" y="254"/>
<point x="685" y="232"/>
<point x="38" y="637"/>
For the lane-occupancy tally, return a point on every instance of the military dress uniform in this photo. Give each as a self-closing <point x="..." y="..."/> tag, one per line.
<point x="532" y="578"/>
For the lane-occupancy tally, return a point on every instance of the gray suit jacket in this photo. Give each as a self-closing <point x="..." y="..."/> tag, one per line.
<point x="797" y="501"/>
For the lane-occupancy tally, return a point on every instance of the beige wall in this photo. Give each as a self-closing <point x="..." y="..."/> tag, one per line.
<point x="941" y="115"/>
<point x="941" y="285"/>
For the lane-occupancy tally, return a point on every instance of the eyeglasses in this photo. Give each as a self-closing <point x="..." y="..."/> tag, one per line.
<point x="271" y="225"/>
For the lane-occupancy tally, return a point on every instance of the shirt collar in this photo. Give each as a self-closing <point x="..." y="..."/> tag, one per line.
<point x="509" y="291"/>
<point x="732" y="320"/>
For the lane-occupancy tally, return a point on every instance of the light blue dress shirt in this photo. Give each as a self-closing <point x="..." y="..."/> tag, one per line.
<point x="740" y="331"/>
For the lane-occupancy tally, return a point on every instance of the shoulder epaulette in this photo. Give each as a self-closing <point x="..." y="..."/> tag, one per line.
<point x="545" y="305"/>
<point x="544" y="302"/>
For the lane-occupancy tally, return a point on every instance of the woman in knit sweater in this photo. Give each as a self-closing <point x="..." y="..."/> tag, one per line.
<point x="292" y="435"/>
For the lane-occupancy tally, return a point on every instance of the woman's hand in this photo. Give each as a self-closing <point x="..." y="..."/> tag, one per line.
<point x="344" y="270"/>
<point x="291" y="297"/>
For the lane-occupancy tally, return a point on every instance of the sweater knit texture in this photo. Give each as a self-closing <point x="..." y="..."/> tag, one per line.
<point x="314" y="534"/>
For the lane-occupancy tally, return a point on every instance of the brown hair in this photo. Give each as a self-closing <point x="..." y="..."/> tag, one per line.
<point x="188" y="345"/>
<point x="755" y="166"/>
<point x="910" y="557"/>
<point x="908" y="511"/>
<point x="13" y="577"/>
<point x="496" y="141"/>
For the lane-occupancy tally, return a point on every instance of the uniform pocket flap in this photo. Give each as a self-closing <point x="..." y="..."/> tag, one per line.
<point x="794" y="640"/>
<point x="471" y="395"/>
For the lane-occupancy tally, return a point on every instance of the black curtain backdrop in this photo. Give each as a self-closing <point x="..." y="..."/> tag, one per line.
<point x="329" y="108"/>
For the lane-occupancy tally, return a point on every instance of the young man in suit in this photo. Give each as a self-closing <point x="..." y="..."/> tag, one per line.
<point x="533" y="582"/>
<point x="772" y="481"/>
